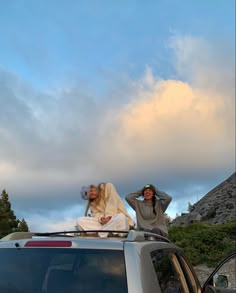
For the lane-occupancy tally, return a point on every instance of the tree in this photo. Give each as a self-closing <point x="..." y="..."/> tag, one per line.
<point x="190" y="207"/>
<point x="8" y="221"/>
<point x="168" y="219"/>
<point x="23" y="227"/>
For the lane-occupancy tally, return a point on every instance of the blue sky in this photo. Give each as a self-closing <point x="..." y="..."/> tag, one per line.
<point x="47" y="41"/>
<point x="122" y="91"/>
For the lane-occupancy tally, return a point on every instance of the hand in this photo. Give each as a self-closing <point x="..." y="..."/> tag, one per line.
<point x="105" y="220"/>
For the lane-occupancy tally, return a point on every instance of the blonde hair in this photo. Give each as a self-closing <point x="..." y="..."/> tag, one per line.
<point x="101" y="190"/>
<point x="101" y="195"/>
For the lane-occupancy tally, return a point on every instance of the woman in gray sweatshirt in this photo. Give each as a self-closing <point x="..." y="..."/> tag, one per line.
<point x="150" y="211"/>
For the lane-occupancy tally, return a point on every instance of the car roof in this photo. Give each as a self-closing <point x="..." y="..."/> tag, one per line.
<point x="80" y="239"/>
<point x="131" y="235"/>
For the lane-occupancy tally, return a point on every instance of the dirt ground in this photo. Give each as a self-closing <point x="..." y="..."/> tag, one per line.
<point x="203" y="272"/>
<point x="228" y="269"/>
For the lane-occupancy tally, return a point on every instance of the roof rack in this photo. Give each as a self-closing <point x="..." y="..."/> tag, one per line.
<point x="70" y="233"/>
<point x="135" y="235"/>
<point x="132" y="235"/>
<point x="18" y="236"/>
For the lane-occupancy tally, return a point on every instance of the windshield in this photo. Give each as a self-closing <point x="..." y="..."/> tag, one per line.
<point x="49" y="270"/>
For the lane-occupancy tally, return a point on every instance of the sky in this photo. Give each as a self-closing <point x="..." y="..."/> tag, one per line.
<point x="128" y="92"/>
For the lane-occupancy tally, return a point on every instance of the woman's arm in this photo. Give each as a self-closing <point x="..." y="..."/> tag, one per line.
<point x="164" y="198"/>
<point x="132" y="198"/>
<point x="114" y="203"/>
<point x="111" y="203"/>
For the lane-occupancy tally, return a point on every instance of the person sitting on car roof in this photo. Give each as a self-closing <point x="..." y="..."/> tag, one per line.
<point x="150" y="211"/>
<point x="107" y="210"/>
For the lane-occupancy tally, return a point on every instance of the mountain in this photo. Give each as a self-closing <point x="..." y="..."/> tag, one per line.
<point x="216" y="207"/>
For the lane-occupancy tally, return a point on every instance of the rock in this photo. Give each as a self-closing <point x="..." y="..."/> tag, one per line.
<point x="216" y="207"/>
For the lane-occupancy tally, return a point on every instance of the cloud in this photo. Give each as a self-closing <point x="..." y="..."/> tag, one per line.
<point x="181" y="123"/>
<point x="205" y="65"/>
<point x="171" y="127"/>
<point x="54" y="221"/>
<point x="176" y="133"/>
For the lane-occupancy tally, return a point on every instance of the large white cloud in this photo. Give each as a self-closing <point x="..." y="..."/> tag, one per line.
<point x="172" y="124"/>
<point x="181" y="129"/>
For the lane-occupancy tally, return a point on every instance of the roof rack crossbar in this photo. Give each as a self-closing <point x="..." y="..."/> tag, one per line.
<point x="135" y="235"/>
<point x="63" y="233"/>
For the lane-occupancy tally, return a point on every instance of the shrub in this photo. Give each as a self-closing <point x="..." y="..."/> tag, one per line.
<point x="205" y="243"/>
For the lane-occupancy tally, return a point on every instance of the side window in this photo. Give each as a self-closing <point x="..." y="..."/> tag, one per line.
<point x="169" y="274"/>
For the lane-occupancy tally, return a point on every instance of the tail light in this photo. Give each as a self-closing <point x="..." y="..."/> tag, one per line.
<point x="48" y="243"/>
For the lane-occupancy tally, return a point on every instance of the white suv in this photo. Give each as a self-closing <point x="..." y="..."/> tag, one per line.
<point x="66" y="262"/>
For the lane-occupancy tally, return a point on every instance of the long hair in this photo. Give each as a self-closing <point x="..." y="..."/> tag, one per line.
<point x="101" y="195"/>
<point x="154" y="204"/>
<point x="89" y="201"/>
<point x="152" y="187"/>
<point x="101" y="190"/>
<point x="87" y="208"/>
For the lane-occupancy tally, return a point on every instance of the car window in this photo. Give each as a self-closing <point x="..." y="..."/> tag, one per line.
<point x="168" y="271"/>
<point x="47" y="270"/>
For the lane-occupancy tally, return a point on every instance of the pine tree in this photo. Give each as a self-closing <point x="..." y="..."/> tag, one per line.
<point x="190" y="207"/>
<point x="23" y="227"/>
<point x="8" y="221"/>
<point x="168" y="219"/>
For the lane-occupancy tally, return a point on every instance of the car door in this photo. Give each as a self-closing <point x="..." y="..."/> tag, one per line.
<point x="173" y="273"/>
<point x="223" y="278"/>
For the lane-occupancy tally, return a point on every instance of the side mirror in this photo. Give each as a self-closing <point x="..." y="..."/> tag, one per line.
<point x="221" y="281"/>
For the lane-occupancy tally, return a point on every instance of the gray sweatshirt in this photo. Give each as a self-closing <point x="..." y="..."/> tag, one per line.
<point x="146" y="219"/>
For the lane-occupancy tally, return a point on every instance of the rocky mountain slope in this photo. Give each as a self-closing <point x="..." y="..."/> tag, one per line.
<point x="216" y="207"/>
